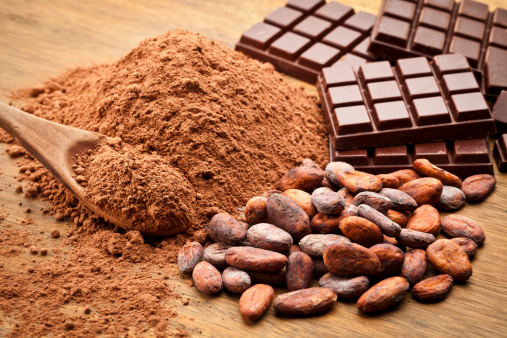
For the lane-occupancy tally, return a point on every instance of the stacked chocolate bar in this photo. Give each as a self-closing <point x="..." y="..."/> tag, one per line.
<point x="426" y="100"/>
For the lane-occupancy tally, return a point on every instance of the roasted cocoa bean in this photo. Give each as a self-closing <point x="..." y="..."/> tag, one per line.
<point x="345" y="287"/>
<point x="189" y="256"/>
<point x="207" y="278"/>
<point x="426" y="168"/>
<point x="461" y="226"/>
<point x="350" y="259"/>
<point x="236" y="280"/>
<point x="478" y="187"/>
<point x="315" y="244"/>
<point x="387" y="226"/>
<point x="389" y="181"/>
<point x="225" y="228"/>
<point x="400" y="200"/>
<point x="374" y="200"/>
<point x="347" y="196"/>
<point x="255" y="301"/>
<point x="269" y="237"/>
<point x="383" y="295"/>
<point x="215" y="255"/>
<point x="288" y="215"/>
<point x="319" y="267"/>
<point x="415" y="239"/>
<point x="255" y="210"/>
<point x="294" y="248"/>
<point x="268" y="193"/>
<point x="405" y="175"/>
<point x="397" y="217"/>
<point x="425" y="219"/>
<point x="271" y="278"/>
<point x="433" y="289"/>
<point x="299" y="271"/>
<point x="358" y="181"/>
<point x="449" y="258"/>
<point x="361" y="231"/>
<point x="303" y="199"/>
<point x="468" y="245"/>
<point x="308" y="162"/>
<point x="328" y="202"/>
<point x="452" y="198"/>
<point x="425" y="190"/>
<point x="414" y="266"/>
<point x="302" y="178"/>
<point x="391" y="259"/>
<point x="325" y="224"/>
<point x="332" y="170"/>
<point x="254" y="259"/>
<point x="305" y="302"/>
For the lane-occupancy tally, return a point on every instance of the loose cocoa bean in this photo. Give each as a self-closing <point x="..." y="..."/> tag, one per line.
<point x="254" y="259"/>
<point x="400" y="200"/>
<point x="415" y="239"/>
<point x="189" y="256"/>
<point x="215" y="255"/>
<point x="268" y="193"/>
<point x="433" y="289"/>
<point x="255" y="210"/>
<point x="478" y="187"/>
<point x="452" y="198"/>
<point x="390" y="240"/>
<point x="425" y="190"/>
<point x="315" y="244"/>
<point x="350" y="259"/>
<point x="325" y="224"/>
<point x="299" y="271"/>
<point x="345" y="287"/>
<point x="358" y="181"/>
<point x="328" y="202"/>
<point x="425" y="219"/>
<point x="269" y="237"/>
<point x="374" y="200"/>
<point x="332" y="170"/>
<point x="302" y="178"/>
<point x="308" y="162"/>
<point x="468" y="245"/>
<point x="319" y="267"/>
<point x="414" y="266"/>
<point x="225" y="228"/>
<point x="387" y="226"/>
<point x="449" y="258"/>
<point x="383" y="295"/>
<point x="294" y="248"/>
<point x="391" y="259"/>
<point x="326" y="184"/>
<point x="288" y="215"/>
<point x="271" y="278"/>
<point x="255" y="301"/>
<point x="305" y="302"/>
<point x="347" y="196"/>
<point x="397" y="217"/>
<point x="405" y="175"/>
<point x="236" y="280"/>
<point x="461" y="226"/>
<point x="303" y="199"/>
<point x="426" y="168"/>
<point x="389" y="181"/>
<point x="207" y="278"/>
<point x="361" y="231"/>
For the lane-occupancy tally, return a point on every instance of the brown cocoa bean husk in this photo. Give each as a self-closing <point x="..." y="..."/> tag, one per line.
<point x="302" y="178"/>
<point x="332" y="170"/>
<point x="383" y="295"/>
<point x="269" y="237"/>
<point x="400" y="200"/>
<point x="325" y="224"/>
<point x="426" y="168"/>
<point x="478" y="187"/>
<point x="215" y="255"/>
<point x="405" y="175"/>
<point x="293" y="248"/>
<point x="271" y="278"/>
<point x="345" y="287"/>
<point x="452" y="198"/>
<point x="299" y="271"/>
<point x="254" y="259"/>
<point x="389" y="181"/>
<point x="397" y="217"/>
<point x="303" y="199"/>
<point x="315" y="244"/>
<point x="425" y="219"/>
<point x="391" y="259"/>
<point x="350" y="259"/>
<point x="358" y="181"/>
<point x="449" y="258"/>
<point x="414" y="265"/>
<point x="433" y="289"/>
<point x="305" y="302"/>
<point x="308" y="162"/>
<point x="361" y="231"/>
<point x="255" y="301"/>
<point x="328" y="202"/>
<point x="468" y="245"/>
<point x="288" y="215"/>
<point x="374" y="200"/>
<point x="207" y="278"/>
<point x="425" y="190"/>
<point x="387" y="226"/>
<point x="415" y="239"/>
<point x="461" y="226"/>
<point x="390" y="240"/>
<point x="236" y="280"/>
<point x="189" y="256"/>
<point x="225" y="228"/>
<point x="347" y="196"/>
<point x="255" y="210"/>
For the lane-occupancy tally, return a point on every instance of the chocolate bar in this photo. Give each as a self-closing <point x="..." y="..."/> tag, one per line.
<point x="500" y="153"/>
<point x="462" y="157"/>
<point x="431" y="27"/>
<point x="307" y="35"/>
<point x="413" y="102"/>
<point x="494" y="80"/>
<point x="500" y="112"/>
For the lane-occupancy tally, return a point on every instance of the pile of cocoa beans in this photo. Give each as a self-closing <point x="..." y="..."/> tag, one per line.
<point x="367" y="237"/>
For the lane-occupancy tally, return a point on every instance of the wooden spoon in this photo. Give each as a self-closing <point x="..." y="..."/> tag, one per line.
<point x="55" y="146"/>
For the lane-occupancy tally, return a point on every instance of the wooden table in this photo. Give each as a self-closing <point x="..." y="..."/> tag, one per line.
<point x="41" y="39"/>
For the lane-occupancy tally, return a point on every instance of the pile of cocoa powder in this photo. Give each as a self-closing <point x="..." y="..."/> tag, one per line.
<point x="230" y="125"/>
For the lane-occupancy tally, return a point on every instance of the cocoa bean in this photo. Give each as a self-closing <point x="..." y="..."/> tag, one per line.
<point x="268" y="193"/>
<point x="347" y="196"/>
<point x="350" y="259"/>
<point x="315" y="244"/>
<point x="236" y="280"/>
<point x="299" y="271"/>
<point x="391" y="259"/>
<point x="345" y="287"/>
<point x="414" y="266"/>
<point x="332" y="170"/>
<point x="224" y="228"/>
<point x="433" y="289"/>
<point x="425" y="219"/>
<point x="325" y="224"/>
<point x="468" y="245"/>
<point x="390" y="240"/>
<point x="415" y="239"/>
<point x="255" y="210"/>
<point x="269" y="237"/>
<point x="405" y="175"/>
<point x="374" y="200"/>
<point x="327" y="201"/>
<point x="397" y="217"/>
<point x="254" y="259"/>
<point x="426" y="168"/>
<point x="361" y="231"/>
<point x="215" y="255"/>
<point x="302" y="178"/>
<point x="461" y="226"/>
<point x="425" y="190"/>
<point x="449" y="258"/>
<point x="478" y="187"/>
<point x="389" y="181"/>
<point x="308" y="162"/>
<point x="387" y="226"/>
<point x="288" y="215"/>
<point x="207" y="278"/>
<point x="189" y="256"/>
<point x="358" y="181"/>
<point x="303" y="199"/>
<point x="294" y="248"/>
<point x="305" y="302"/>
<point x="452" y="198"/>
<point x="383" y="295"/>
<point x="271" y="278"/>
<point x="319" y="267"/>
<point x="255" y="301"/>
<point x="400" y="200"/>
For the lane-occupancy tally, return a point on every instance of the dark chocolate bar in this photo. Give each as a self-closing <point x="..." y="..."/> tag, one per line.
<point x="500" y="112"/>
<point x="494" y="79"/>
<point x="431" y="27"/>
<point x="500" y="153"/>
<point x="413" y="102"/>
<point x="462" y="157"/>
<point x="307" y="35"/>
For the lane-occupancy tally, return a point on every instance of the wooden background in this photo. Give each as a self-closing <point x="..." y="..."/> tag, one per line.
<point x="39" y="39"/>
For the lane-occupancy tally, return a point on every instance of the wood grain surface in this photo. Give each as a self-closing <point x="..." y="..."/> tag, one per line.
<point x="40" y="39"/>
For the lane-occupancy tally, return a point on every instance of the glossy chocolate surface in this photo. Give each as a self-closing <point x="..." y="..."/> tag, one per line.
<point x="500" y="153"/>
<point x="462" y="157"/>
<point x="307" y="35"/>
<point x="413" y="102"/>
<point x="500" y="112"/>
